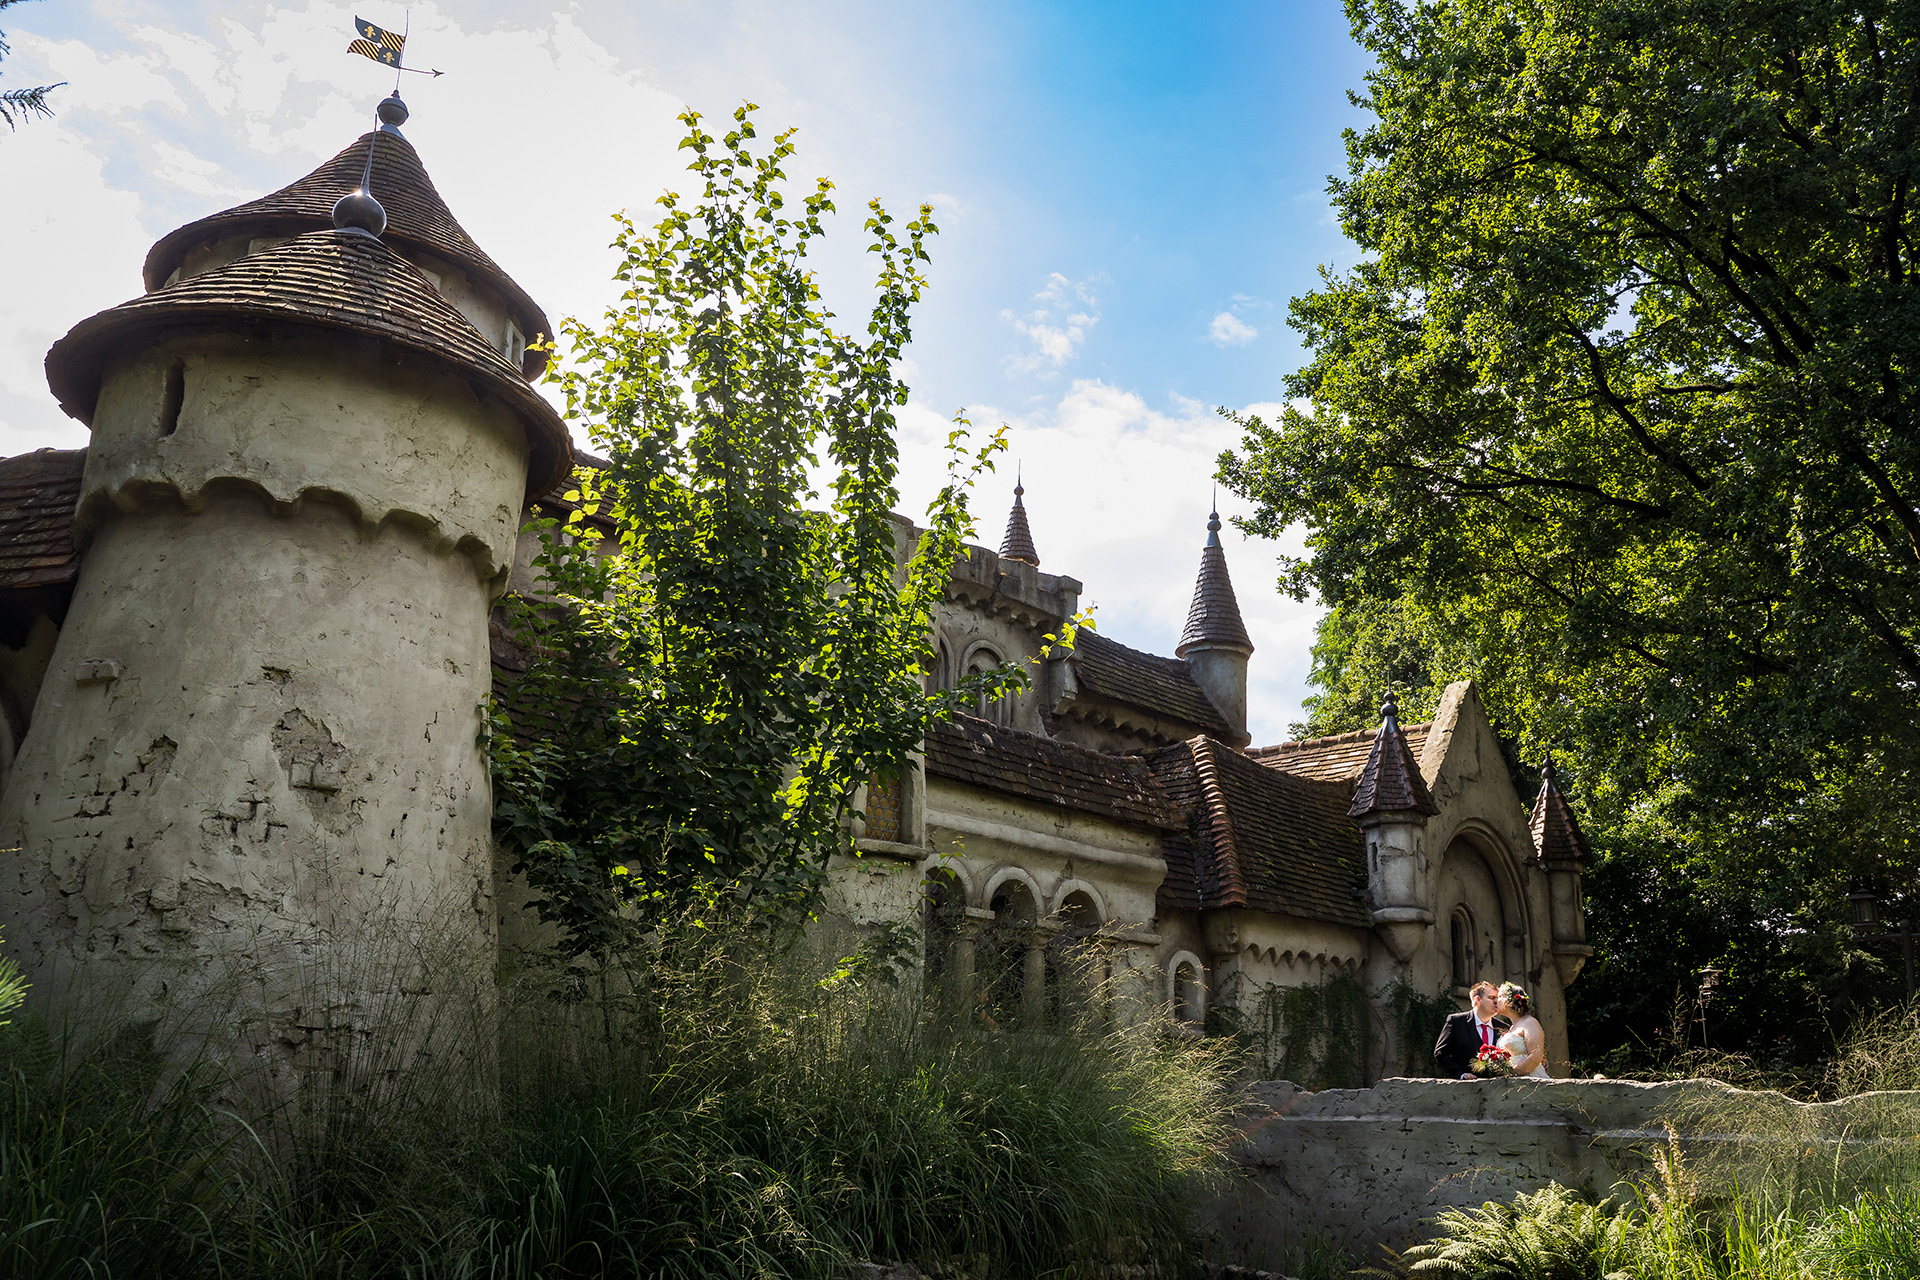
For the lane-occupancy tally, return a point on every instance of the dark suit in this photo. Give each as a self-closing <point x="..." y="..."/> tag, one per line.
<point x="1459" y="1041"/>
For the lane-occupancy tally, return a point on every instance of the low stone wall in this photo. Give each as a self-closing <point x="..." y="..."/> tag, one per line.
<point x="1363" y="1167"/>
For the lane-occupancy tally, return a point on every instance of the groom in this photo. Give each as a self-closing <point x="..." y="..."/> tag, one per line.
<point x="1464" y="1033"/>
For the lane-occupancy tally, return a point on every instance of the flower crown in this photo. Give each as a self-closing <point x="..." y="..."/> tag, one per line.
<point x="1516" y="995"/>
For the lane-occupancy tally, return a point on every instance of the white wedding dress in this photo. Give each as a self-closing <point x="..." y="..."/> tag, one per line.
<point x="1515" y="1043"/>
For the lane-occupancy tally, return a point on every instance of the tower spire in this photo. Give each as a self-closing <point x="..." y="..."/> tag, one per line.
<point x="1018" y="542"/>
<point x="1391" y="781"/>
<point x="1215" y="644"/>
<point x="1213" y="620"/>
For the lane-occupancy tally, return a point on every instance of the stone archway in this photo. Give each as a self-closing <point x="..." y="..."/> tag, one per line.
<point x="1012" y="969"/>
<point x="1479" y="917"/>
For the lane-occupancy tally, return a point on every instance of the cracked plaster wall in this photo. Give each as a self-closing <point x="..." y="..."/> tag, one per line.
<point x="254" y="765"/>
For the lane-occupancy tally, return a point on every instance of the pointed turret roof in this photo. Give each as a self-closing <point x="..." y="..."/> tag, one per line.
<point x="345" y="281"/>
<point x="416" y="217"/>
<point x="1556" y="836"/>
<point x="1018" y="543"/>
<point x="1391" y="781"/>
<point x="1213" y="620"/>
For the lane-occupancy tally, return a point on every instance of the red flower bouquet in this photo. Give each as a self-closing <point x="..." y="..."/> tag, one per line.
<point x="1491" y="1063"/>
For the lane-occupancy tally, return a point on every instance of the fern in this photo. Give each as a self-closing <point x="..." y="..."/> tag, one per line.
<point x="1550" y="1234"/>
<point x="13" y="989"/>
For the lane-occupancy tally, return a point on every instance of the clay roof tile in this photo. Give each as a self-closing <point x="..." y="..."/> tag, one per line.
<point x="1557" y="839"/>
<point x="1258" y="838"/>
<point x="1018" y="542"/>
<point x="1214" y="617"/>
<point x="1029" y="766"/>
<point x="1391" y="780"/>
<point x="416" y="216"/>
<point x="340" y="280"/>
<point x="38" y="492"/>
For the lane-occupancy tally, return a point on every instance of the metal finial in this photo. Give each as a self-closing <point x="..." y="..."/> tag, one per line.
<point x="1019" y="488"/>
<point x="1213" y="529"/>
<point x="392" y="112"/>
<point x="1390" y="707"/>
<point x="1546" y="768"/>
<point x="358" y="210"/>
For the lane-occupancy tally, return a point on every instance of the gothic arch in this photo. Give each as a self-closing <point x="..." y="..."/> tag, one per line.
<point x="982" y="655"/>
<point x="1476" y="848"/>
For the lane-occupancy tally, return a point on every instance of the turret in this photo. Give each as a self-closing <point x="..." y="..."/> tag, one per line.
<point x="1391" y="804"/>
<point x="1215" y="644"/>
<point x="1018" y="542"/>
<point x="254" y="760"/>
<point x="1561" y="850"/>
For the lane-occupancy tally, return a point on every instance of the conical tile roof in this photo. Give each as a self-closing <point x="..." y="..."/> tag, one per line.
<point x="1018" y="542"/>
<point x="416" y="216"/>
<point x="1213" y="620"/>
<point x="1391" y="781"/>
<point x="346" y="281"/>
<point x="1556" y="836"/>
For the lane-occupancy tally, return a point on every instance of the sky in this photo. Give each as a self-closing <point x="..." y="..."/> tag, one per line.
<point x="1128" y="195"/>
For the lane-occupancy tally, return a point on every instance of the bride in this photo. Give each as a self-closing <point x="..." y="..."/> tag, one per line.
<point x="1526" y="1039"/>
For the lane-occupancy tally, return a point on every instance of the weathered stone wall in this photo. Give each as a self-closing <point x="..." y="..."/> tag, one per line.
<point x="1364" y="1167"/>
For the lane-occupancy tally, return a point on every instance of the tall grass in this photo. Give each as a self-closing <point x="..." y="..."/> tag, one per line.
<point x="718" y="1108"/>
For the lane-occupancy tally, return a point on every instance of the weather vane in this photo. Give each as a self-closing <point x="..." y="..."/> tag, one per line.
<point x="385" y="48"/>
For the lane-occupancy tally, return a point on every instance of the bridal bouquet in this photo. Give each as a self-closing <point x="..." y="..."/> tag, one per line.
<point x="1491" y="1063"/>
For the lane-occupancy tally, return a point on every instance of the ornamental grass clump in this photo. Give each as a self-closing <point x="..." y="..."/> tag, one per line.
<point x="726" y="1104"/>
<point x="784" y="1118"/>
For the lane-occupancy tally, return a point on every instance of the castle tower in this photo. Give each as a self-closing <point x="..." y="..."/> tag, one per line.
<point x="255" y="755"/>
<point x="1215" y="644"/>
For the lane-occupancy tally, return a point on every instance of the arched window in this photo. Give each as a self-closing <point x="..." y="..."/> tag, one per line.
<point x="999" y="710"/>
<point x="1466" y="966"/>
<point x="1189" y="994"/>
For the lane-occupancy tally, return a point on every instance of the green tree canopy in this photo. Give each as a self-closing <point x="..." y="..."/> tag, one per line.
<point x="1617" y="413"/>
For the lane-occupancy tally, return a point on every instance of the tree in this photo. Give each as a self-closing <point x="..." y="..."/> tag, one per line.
<point x="22" y="104"/>
<point x="709" y="689"/>
<point x="1618" y="415"/>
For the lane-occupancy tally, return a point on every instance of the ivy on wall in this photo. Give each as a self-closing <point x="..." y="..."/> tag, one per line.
<point x="1329" y="1034"/>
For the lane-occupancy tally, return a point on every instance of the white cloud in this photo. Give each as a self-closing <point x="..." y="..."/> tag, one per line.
<point x="1118" y="493"/>
<point x="175" y="126"/>
<point x="1229" y="330"/>
<point x="1056" y="329"/>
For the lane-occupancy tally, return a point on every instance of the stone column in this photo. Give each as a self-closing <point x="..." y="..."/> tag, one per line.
<point x="1033" y="979"/>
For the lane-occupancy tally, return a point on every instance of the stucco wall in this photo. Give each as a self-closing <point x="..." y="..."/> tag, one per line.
<point x="256" y="743"/>
<point x="333" y="417"/>
<point x="254" y="773"/>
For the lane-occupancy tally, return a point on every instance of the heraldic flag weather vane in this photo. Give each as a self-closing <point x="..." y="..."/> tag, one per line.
<point x="384" y="47"/>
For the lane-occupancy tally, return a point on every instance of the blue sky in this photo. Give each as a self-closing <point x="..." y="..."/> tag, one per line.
<point x="1128" y="195"/>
